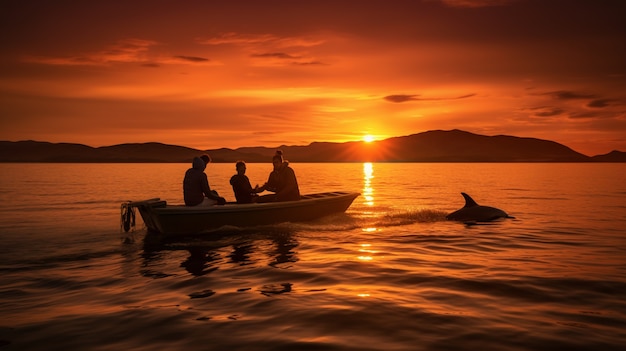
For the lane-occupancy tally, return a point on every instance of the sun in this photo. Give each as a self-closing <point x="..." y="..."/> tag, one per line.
<point x="368" y="138"/>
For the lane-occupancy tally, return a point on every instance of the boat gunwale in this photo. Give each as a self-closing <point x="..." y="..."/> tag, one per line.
<point x="157" y="215"/>
<point x="305" y="201"/>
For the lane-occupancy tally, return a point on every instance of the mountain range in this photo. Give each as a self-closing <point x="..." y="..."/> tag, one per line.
<point x="431" y="146"/>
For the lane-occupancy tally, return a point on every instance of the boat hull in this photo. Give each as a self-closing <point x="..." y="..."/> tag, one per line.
<point x="180" y="219"/>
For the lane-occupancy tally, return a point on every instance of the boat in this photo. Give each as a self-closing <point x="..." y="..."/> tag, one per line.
<point x="159" y="216"/>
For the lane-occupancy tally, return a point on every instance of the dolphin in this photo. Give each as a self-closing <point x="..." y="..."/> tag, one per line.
<point x="473" y="212"/>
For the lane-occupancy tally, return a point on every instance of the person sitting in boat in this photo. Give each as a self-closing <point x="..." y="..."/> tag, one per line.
<point x="282" y="182"/>
<point x="244" y="193"/>
<point x="196" y="189"/>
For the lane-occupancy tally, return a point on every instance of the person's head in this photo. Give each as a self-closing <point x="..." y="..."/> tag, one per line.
<point x="277" y="160"/>
<point x="241" y="167"/>
<point x="198" y="163"/>
<point x="206" y="158"/>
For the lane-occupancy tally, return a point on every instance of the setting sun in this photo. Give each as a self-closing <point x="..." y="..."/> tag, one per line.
<point x="368" y="138"/>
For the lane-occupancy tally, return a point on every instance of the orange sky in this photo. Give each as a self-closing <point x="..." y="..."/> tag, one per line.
<point x="210" y="74"/>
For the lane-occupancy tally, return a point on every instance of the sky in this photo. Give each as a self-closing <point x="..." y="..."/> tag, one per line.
<point x="212" y="74"/>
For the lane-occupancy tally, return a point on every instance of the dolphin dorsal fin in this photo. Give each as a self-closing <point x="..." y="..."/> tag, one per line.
<point x="469" y="202"/>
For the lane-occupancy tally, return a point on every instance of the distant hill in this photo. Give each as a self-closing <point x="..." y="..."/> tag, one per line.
<point x="613" y="156"/>
<point x="431" y="146"/>
<point x="37" y="151"/>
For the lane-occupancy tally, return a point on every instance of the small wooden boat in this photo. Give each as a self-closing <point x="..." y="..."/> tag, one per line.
<point x="160" y="217"/>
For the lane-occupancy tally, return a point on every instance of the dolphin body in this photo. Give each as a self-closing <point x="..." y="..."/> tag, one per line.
<point x="473" y="212"/>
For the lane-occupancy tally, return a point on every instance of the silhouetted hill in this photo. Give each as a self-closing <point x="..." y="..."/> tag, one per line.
<point x="431" y="146"/>
<point x="37" y="151"/>
<point x="434" y="146"/>
<point x="613" y="156"/>
<point x="461" y="146"/>
<point x="147" y="152"/>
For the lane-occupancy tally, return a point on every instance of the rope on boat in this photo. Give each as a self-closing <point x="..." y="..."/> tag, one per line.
<point x="127" y="216"/>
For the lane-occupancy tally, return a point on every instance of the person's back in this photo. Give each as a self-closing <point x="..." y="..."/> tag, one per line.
<point x="288" y="189"/>
<point x="196" y="185"/>
<point x="193" y="183"/>
<point x="241" y="185"/>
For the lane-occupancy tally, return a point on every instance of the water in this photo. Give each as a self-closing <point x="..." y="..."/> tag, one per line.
<point x="389" y="274"/>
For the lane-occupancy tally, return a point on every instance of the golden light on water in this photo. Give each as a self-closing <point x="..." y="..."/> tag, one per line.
<point x="368" y="191"/>
<point x="367" y="252"/>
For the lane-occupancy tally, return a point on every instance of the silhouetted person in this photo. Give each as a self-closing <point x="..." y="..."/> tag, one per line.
<point x="196" y="190"/>
<point x="244" y="193"/>
<point x="281" y="181"/>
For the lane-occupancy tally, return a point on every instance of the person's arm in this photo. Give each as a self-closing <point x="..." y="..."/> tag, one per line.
<point x="272" y="182"/>
<point x="206" y="189"/>
<point x="246" y="185"/>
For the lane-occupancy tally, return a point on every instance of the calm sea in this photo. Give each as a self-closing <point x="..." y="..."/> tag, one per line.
<point x="389" y="274"/>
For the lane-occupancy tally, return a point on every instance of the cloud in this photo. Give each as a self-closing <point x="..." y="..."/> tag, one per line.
<point x="405" y="98"/>
<point x="401" y="98"/>
<point x="545" y="111"/>
<point x="270" y="49"/>
<point x="282" y="59"/>
<point x="124" y="51"/>
<point x="580" y="105"/>
<point x="232" y="38"/>
<point x="567" y="95"/>
<point x="310" y="63"/>
<point x="278" y="55"/>
<point x="600" y="103"/>
<point x="192" y="58"/>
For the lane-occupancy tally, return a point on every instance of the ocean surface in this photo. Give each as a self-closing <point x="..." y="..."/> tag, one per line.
<point x="389" y="274"/>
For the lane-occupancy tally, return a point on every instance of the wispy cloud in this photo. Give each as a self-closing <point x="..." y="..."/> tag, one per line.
<point x="270" y="49"/>
<point x="281" y="59"/>
<point x="544" y="111"/>
<point x="232" y="38"/>
<point x="278" y="55"/>
<point x="192" y="59"/>
<point x="124" y="51"/>
<point x="567" y="95"/>
<point x="576" y="105"/>
<point x="602" y="103"/>
<point x="405" y="98"/>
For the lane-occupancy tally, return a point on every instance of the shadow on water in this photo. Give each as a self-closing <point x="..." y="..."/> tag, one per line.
<point x="245" y="246"/>
<point x="272" y="245"/>
<point x="206" y="253"/>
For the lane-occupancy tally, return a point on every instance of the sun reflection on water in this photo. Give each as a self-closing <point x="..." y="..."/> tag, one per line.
<point x="368" y="191"/>
<point x="366" y="252"/>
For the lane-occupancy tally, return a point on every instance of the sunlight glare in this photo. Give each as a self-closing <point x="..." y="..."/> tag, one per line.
<point x="368" y="138"/>
<point x="368" y="191"/>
